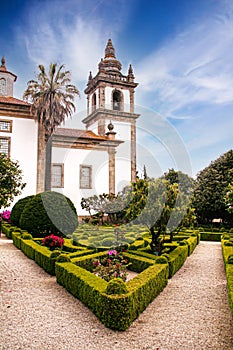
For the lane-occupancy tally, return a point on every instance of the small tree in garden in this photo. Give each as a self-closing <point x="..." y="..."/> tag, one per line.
<point x="159" y="205"/>
<point x="11" y="183"/>
<point x="106" y="204"/>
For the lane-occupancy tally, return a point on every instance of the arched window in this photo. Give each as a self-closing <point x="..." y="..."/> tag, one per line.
<point x="2" y="86"/>
<point x="94" y="102"/>
<point x="117" y="100"/>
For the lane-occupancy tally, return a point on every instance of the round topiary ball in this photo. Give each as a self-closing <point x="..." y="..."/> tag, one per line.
<point x="116" y="286"/>
<point x="49" y="213"/>
<point x="18" y="209"/>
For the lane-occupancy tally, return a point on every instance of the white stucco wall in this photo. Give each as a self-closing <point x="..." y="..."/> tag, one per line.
<point x="72" y="159"/>
<point x="24" y="150"/>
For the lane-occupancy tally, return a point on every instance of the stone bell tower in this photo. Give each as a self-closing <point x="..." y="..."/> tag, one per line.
<point x="110" y="97"/>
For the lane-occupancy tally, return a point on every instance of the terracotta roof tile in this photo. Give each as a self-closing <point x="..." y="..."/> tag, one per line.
<point x="13" y="100"/>
<point x="87" y="134"/>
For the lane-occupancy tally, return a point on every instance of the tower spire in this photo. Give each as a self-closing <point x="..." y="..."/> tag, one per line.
<point x="110" y="63"/>
<point x="109" y="50"/>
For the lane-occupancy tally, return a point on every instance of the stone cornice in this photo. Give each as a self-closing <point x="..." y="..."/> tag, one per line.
<point x="110" y="114"/>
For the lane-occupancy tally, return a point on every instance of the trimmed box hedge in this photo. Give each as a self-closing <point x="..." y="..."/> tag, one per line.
<point x="28" y="247"/>
<point x="227" y="252"/>
<point x="177" y="259"/>
<point x="44" y="260"/>
<point x="229" y="275"/>
<point x="114" y="311"/>
<point x="211" y="236"/>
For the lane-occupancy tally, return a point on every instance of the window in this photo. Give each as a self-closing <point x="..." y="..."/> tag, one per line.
<point x="5" y="145"/>
<point x="57" y="175"/>
<point x="2" y="86"/>
<point x="6" y="125"/>
<point x="94" y="102"/>
<point x="85" y="176"/>
<point x="117" y="100"/>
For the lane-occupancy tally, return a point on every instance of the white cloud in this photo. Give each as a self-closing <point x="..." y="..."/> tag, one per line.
<point x="194" y="67"/>
<point x="72" y="32"/>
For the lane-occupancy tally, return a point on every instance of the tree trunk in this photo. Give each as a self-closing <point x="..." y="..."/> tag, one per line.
<point x="48" y="163"/>
<point x="156" y="245"/>
<point x="41" y="155"/>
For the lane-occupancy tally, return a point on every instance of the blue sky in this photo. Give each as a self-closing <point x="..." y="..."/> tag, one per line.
<point x="181" y="52"/>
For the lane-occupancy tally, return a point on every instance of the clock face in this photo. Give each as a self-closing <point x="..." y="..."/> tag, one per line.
<point x="2" y="86"/>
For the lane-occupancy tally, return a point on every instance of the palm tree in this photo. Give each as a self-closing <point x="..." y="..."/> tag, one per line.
<point x="52" y="96"/>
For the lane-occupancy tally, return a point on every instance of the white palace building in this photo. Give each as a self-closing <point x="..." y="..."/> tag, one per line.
<point x="100" y="158"/>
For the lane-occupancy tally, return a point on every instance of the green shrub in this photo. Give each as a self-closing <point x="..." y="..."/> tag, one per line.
<point x="230" y="259"/>
<point x="49" y="212"/>
<point x="228" y="243"/>
<point x="107" y="242"/>
<point x="211" y="236"/>
<point x="16" y="237"/>
<point x="137" y="263"/>
<point x="114" y="311"/>
<point x="116" y="286"/>
<point x="161" y="260"/>
<point x="18" y="209"/>
<point x="231" y="230"/>
<point x="43" y="259"/>
<point x="26" y="236"/>
<point x="28" y="247"/>
<point x="229" y="275"/>
<point x="63" y="258"/>
<point x="55" y="254"/>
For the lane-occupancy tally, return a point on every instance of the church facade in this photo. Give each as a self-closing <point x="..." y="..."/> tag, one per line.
<point x="100" y="158"/>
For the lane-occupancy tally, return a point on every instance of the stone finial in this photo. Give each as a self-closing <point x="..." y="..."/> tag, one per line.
<point x="90" y="76"/>
<point x="110" y="126"/>
<point x="3" y="61"/>
<point x="130" y="73"/>
<point x="111" y="134"/>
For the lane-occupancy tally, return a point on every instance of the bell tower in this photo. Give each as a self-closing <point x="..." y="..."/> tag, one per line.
<point x="110" y="98"/>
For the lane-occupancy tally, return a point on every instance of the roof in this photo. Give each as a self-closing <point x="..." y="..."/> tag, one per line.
<point x="86" y="134"/>
<point x="13" y="100"/>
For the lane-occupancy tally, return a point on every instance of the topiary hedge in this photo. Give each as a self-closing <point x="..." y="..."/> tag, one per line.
<point x="227" y="252"/>
<point x="49" y="213"/>
<point x="114" y="311"/>
<point x="18" y="209"/>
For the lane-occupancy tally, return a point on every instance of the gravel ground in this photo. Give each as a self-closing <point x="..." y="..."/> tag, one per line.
<point x="192" y="313"/>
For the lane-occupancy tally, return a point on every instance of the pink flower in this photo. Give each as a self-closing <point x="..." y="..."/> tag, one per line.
<point x="112" y="252"/>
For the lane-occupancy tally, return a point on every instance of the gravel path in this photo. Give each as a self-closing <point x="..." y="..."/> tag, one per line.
<point x="192" y="313"/>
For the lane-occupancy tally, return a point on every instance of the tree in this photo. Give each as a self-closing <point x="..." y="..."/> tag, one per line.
<point x="210" y="190"/>
<point x="10" y="180"/>
<point x="159" y="205"/>
<point x="184" y="181"/>
<point x="229" y="198"/>
<point x="109" y="204"/>
<point x="52" y="96"/>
